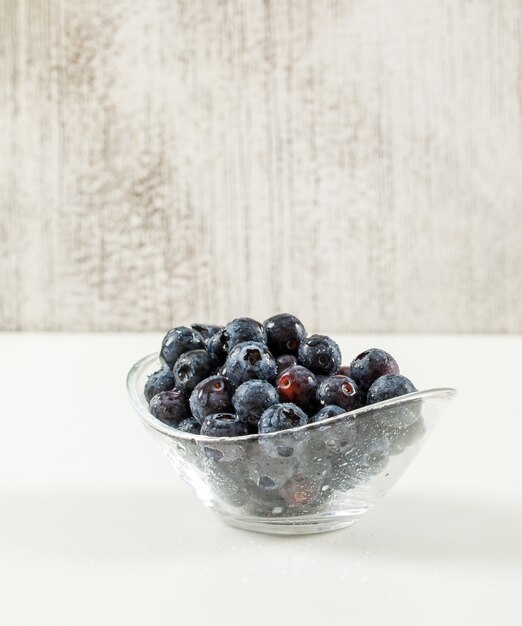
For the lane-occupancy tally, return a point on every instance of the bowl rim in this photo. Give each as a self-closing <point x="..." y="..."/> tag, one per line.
<point x="137" y="400"/>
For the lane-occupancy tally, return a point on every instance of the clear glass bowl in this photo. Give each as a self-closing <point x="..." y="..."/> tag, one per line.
<point x="314" y="478"/>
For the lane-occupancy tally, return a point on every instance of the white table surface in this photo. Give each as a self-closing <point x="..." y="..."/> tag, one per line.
<point x="96" y="528"/>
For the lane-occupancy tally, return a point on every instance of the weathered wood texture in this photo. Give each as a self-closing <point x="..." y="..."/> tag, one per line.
<point x="357" y="162"/>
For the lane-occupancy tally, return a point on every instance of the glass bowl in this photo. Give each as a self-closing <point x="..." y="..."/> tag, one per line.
<point x="315" y="478"/>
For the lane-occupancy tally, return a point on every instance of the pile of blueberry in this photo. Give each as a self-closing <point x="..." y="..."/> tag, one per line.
<point x="247" y="377"/>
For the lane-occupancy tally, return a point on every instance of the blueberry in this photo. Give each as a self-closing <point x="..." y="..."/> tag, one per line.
<point x="392" y="386"/>
<point x="389" y="386"/>
<point x="162" y="380"/>
<point x="320" y="378"/>
<point x="216" y="346"/>
<point x="221" y="370"/>
<point x="345" y="456"/>
<point x="177" y="341"/>
<point x="309" y="479"/>
<point x="243" y="329"/>
<point x="268" y="472"/>
<point x="284" y="334"/>
<point x="191" y="368"/>
<point x="206" y="330"/>
<point x="212" y="395"/>
<point x="369" y="456"/>
<point x="339" y="438"/>
<point x="281" y="417"/>
<point x="285" y="360"/>
<point x="263" y="502"/>
<point x="252" y="398"/>
<point x="249" y="360"/>
<point x="370" y="365"/>
<point x="402" y="438"/>
<point x="170" y="407"/>
<point x="298" y="385"/>
<point x="320" y="354"/>
<point x="223" y="425"/>
<point x="344" y="370"/>
<point x="301" y="490"/>
<point x="326" y="412"/>
<point x="190" y="425"/>
<point x="341" y="391"/>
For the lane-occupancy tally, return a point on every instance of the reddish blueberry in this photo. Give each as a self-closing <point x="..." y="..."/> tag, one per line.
<point x="297" y="384"/>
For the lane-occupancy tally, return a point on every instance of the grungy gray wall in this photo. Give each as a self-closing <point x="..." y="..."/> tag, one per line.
<point x="356" y="162"/>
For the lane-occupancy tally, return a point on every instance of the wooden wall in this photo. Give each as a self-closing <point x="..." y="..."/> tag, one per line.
<point x="356" y="162"/>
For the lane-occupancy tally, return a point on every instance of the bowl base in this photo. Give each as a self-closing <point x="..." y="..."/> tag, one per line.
<point x="291" y="525"/>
